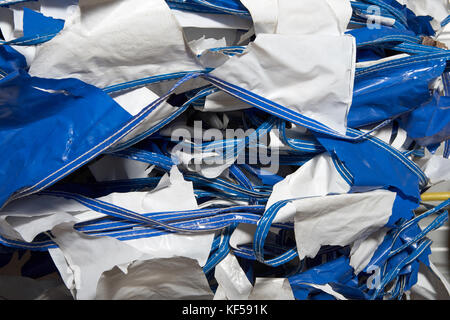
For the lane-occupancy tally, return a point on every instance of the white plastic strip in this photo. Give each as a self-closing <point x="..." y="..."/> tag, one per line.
<point x="320" y="87"/>
<point x="156" y="279"/>
<point x="271" y="289"/>
<point x="232" y="279"/>
<point x="363" y="249"/>
<point x="264" y="14"/>
<point x="133" y="39"/>
<point x="317" y="177"/>
<point x="339" y="219"/>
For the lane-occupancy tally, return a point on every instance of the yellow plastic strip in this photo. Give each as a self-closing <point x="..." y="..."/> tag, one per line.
<point x="435" y="196"/>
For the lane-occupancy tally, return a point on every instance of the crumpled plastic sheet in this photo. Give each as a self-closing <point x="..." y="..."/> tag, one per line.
<point x="226" y="150"/>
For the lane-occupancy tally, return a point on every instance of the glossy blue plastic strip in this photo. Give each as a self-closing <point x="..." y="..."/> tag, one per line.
<point x="369" y="37"/>
<point x="445" y="21"/>
<point x="58" y="113"/>
<point x="394" y="88"/>
<point x="386" y="167"/>
<point x="260" y="236"/>
<point x="425" y="244"/>
<point x="446" y="152"/>
<point x="222" y="251"/>
<point x="430" y="123"/>
<point x="99" y="145"/>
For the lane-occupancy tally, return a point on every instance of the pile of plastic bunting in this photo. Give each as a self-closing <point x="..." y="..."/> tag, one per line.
<point x="223" y="149"/>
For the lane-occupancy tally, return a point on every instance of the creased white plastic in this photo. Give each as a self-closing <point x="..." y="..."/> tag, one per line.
<point x="209" y="164"/>
<point x="437" y="9"/>
<point x="58" y="9"/>
<point x="82" y="275"/>
<point x="220" y="293"/>
<point x="400" y="139"/>
<point x="296" y="132"/>
<point x="25" y="218"/>
<point x="175" y="278"/>
<point x="88" y="257"/>
<point x="264" y="14"/>
<point x="313" y="17"/>
<point x="163" y="198"/>
<point x="158" y="199"/>
<point x="172" y="193"/>
<point x="127" y="200"/>
<point x="119" y="41"/>
<point x="64" y="270"/>
<point x="213" y="59"/>
<point x="343" y="11"/>
<point x="339" y="219"/>
<point x="443" y="35"/>
<point x="320" y="87"/>
<point x="243" y="234"/>
<point x="431" y="284"/>
<point x="317" y="177"/>
<point x="232" y="279"/>
<point x="195" y="246"/>
<point x="86" y="268"/>
<point x="221" y="102"/>
<point x="210" y="21"/>
<point x="271" y="289"/>
<point x="275" y="140"/>
<point x="362" y="249"/>
<point x="231" y="36"/>
<point x="27" y="228"/>
<point x="436" y="168"/>
<point x="198" y="46"/>
<point x="134" y="101"/>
